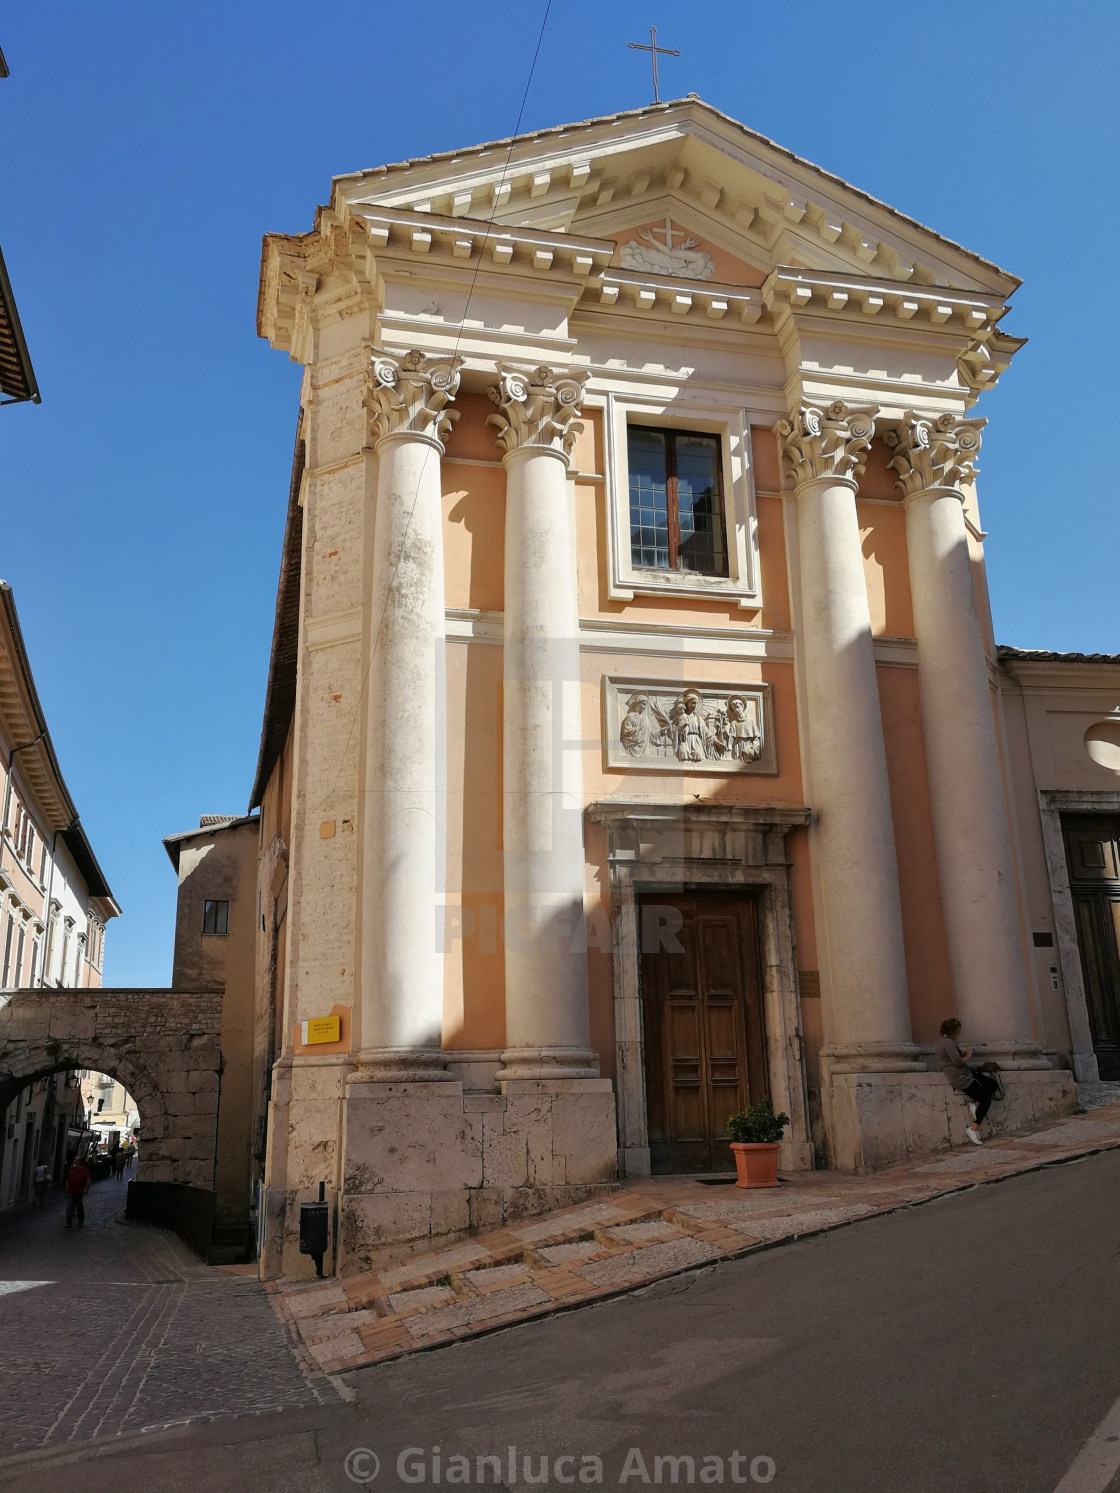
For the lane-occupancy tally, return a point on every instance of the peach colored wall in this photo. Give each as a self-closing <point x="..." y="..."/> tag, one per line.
<point x="474" y="974"/>
<point x="801" y="896"/>
<point x="474" y="502"/>
<point x="886" y="569"/>
<point x="474" y="512"/>
<point x="775" y="613"/>
<point x="474" y="507"/>
<point x="927" y="959"/>
<point x="877" y="480"/>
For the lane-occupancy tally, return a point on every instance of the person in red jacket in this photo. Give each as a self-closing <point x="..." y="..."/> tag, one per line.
<point x="77" y="1185"/>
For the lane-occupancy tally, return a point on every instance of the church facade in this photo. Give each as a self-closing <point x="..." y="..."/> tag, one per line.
<point x="636" y="743"/>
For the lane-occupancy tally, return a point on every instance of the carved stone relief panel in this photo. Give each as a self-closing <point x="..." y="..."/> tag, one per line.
<point x="666" y="251"/>
<point x="706" y="728"/>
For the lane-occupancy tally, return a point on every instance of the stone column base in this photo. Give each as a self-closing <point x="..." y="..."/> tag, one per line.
<point x="400" y="1065"/>
<point x="880" y="1119"/>
<point x="425" y="1164"/>
<point x="549" y="1063"/>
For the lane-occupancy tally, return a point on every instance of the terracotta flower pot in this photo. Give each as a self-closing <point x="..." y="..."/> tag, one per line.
<point x="756" y="1164"/>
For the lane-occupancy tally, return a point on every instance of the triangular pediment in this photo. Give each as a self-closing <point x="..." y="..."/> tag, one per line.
<point x="749" y="203"/>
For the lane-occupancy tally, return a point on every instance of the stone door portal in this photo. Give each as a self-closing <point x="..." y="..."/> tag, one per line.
<point x="1093" y="861"/>
<point x="705" y="1047"/>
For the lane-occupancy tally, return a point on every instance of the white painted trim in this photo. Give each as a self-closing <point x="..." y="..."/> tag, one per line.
<point x="900" y="652"/>
<point x="483" y="461"/>
<point x="732" y="425"/>
<point x="600" y="635"/>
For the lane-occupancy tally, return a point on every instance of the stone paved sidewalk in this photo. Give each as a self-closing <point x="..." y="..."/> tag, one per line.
<point x="112" y="1330"/>
<point x="648" y="1230"/>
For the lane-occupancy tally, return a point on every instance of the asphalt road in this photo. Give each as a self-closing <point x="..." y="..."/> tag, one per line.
<point x="967" y="1346"/>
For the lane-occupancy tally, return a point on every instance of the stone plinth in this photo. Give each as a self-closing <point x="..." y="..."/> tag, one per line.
<point x="880" y="1119"/>
<point x="427" y="1164"/>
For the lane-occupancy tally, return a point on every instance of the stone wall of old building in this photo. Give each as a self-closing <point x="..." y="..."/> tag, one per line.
<point x="217" y="866"/>
<point x="163" y="1045"/>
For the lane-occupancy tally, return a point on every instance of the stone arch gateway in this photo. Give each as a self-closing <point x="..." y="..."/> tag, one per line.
<point x="163" y="1045"/>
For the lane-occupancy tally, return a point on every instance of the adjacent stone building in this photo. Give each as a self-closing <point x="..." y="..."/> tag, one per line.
<point x="635" y="742"/>
<point x="215" y="950"/>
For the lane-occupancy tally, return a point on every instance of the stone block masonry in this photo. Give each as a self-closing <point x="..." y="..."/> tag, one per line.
<point x="425" y="1164"/>
<point x="163" y="1045"/>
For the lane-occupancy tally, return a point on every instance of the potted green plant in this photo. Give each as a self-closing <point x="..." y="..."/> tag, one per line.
<point x="754" y="1134"/>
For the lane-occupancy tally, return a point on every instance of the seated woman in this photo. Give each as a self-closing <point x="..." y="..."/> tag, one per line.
<point x="977" y="1087"/>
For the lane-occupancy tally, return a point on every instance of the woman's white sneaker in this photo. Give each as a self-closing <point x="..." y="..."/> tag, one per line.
<point x="973" y="1135"/>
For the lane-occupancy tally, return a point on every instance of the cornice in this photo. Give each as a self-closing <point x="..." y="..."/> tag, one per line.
<point x="586" y="161"/>
<point x="1054" y="674"/>
<point x="340" y="267"/>
<point x="656" y="813"/>
<point x="667" y="297"/>
<point x="461" y="238"/>
<point x="963" y="325"/>
<point x="870" y="301"/>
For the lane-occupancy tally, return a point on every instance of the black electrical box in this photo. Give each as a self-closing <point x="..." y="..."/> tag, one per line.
<point x="314" y="1229"/>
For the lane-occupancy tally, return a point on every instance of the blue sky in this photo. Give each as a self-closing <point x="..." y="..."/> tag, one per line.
<point x="146" y="148"/>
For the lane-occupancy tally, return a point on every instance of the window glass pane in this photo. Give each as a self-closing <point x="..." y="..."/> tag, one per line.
<point x="698" y="504"/>
<point x="215" y="918"/>
<point x="649" y="505"/>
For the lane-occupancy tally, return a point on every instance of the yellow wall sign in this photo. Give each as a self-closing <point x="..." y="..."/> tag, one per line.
<point x="321" y="1029"/>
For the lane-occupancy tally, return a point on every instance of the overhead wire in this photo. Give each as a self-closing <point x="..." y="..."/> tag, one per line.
<point x="428" y="448"/>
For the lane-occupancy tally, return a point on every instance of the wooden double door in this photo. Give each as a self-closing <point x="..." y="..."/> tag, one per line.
<point x="702" y="1012"/>
<point x="1093" y="863"/>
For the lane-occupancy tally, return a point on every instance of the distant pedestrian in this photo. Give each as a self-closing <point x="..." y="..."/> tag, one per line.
<point x="118" y="1164"/>
<point x="40" y="1180"/>
<point x="978" y="1088"/>
<point x="77" y="1185"/>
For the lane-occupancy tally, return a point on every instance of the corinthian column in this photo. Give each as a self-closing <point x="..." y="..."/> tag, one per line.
<point x="970" y="827"/>
<point x="403" y="818"/>
<point x="542" y="804"/>
<point x="822" y="452"/>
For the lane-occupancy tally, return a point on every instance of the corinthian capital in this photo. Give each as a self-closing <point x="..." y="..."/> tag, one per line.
<point x="933" y="453"/>
<point x="411" y="393"/>
<point x="825" y="443"/>
<point x="538" y="408"/>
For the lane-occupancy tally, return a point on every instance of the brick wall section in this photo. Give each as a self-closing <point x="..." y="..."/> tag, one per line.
<point x="163" y="1045"/>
